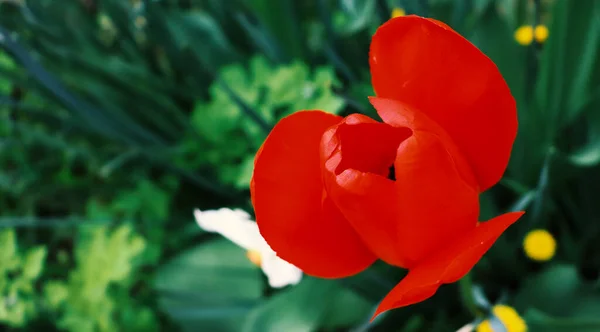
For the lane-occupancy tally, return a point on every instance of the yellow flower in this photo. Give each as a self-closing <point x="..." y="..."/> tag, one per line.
<point x="539" y="245"/>
<point x="508" y="316"/>
<point x="397" y="12"/>
<point x="524" y="35"/>
<point x="540" y="33"/>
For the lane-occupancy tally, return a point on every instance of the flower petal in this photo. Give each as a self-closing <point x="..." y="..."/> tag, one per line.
<point x="399" y="114"/>
<point x="435" y="204"/>
<point x="447" y="265"/>
<point x="293" y="212"/>
<point x="235" y="225"/>
<point x="279" y="272"/>
<point x="427" y="65"/>
<point x="428" y="205"/>
<point x="357" y="155"/>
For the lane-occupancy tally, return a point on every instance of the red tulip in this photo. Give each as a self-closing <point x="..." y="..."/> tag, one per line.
<point x="321" y="191"/>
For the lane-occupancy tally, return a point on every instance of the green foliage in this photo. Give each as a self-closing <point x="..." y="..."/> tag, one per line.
<point x="19" y="271"/>
<point x="312" y="304"/>
<point x="118" y="118"/>
<point x="354" y="16"/>
<point x="211" y="286"/>
<point x="232" y="289"/>
<point x="147" y="203"/>
<point x="270" y="92"/>
<point x="557" y="299"/>
<point x="6" y="65"/>
<point x="97" y="296"/>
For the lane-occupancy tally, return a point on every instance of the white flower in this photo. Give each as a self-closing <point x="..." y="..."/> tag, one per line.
<point x="467" y="328"/>
<point x="236" y="226"/>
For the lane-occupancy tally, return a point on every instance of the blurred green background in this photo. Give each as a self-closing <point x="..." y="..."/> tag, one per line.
<point x="118" y="118"/>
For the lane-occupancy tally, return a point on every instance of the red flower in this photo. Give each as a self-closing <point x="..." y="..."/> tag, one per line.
<point x="321" y="191"/>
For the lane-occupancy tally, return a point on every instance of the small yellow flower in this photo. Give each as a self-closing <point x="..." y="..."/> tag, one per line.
<point x="485" y="326"/>
<point x="540" y="33"/>
<point x="397" y="12"/>
<point x="508" y="316"/>
<point x="539" y="245"/>
<point x="524" y="35"/>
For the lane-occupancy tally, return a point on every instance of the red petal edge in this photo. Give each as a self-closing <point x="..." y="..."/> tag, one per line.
<point x="447" y="265"/>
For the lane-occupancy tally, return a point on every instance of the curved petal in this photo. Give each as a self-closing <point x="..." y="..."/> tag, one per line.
<point x="435" y="204"/>
<point x="279" y="272"/>
<point x="399" y="114"/>
<point x="402" y="222"/>
<point x="368" y="145"/>
<point x="447" y="265"/>
<point x="357" y="155"/>
<point x="235" y="225"/>
<point x="427" y="65"/>
<point x="293" y="212"/>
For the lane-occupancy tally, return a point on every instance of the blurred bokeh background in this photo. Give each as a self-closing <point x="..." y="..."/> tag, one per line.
<point x="118" y="118"/>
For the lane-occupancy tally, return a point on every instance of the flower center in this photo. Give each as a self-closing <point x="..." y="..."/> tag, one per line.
<point x="369" y="147"/>
<point x="254" y="257"/>
<point x="392" y="173"/>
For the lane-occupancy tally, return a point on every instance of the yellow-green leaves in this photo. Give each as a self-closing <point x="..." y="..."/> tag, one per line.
<point x="19" y="271"/>
<point x="230" y="135"/>
<point x="95" y="295"/>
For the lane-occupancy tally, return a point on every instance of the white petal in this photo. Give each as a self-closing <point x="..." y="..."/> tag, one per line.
<point x="279" y="272"/>
<point x="467" y="328"/>
<point x="235" y="225"/>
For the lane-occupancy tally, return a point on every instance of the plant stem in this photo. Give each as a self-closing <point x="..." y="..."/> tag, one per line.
<point x="465" y="285"/>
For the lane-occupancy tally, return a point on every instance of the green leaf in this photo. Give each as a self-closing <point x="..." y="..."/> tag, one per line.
<point x="98" y="211"/>
<point x="354" y="16"/>
<point x="539" y="321"/>
<point x="209" y="287"/>
<point x="147" y="199"/>
<point x="34" y="263"/>
<point x="15" y="315"/>
<point x="6" y="64"/>
<point x="280" y="18"/>
<point x="569" y="66"/>
<point x="493" y="35"/>
<point x="516" y="12"/>
<point x="245" y="174"/>
<point x="298" y="309"/>
<point x="558" y="291"/>
<point x="198" y="31"/>
<point x="286" y="83"/>
<point x="589" y="154"/>
<point x="481" y="6"/>
<point x="347" y="309"/>
<point x="9" y="260"/>
<point x="55" y="293"/>
<point x="123" y="246"/>
<point x="101" y="283"/>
